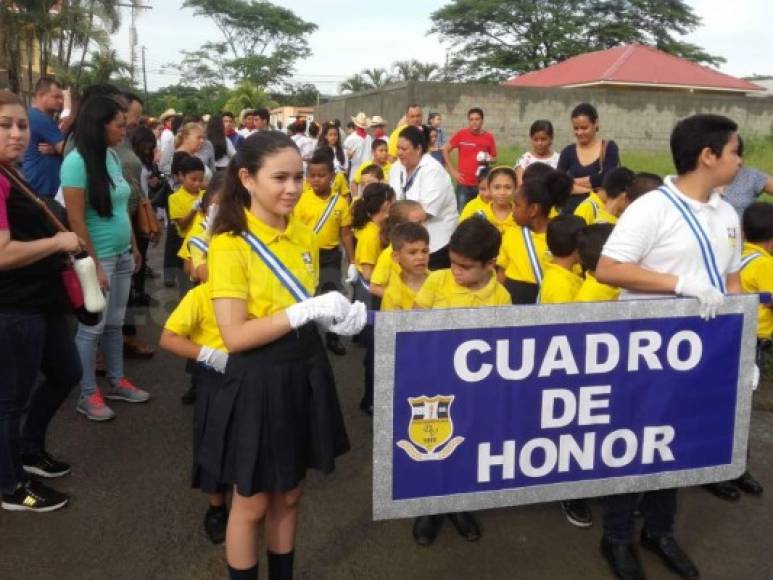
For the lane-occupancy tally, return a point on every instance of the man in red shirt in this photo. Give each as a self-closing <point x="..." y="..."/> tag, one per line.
<point x="469" y="142"/>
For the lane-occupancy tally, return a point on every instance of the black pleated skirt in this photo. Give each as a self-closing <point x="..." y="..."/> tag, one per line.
<point x="208" y="383"/>
<point x="275" y="416"/>
<point x="522" y="292"/>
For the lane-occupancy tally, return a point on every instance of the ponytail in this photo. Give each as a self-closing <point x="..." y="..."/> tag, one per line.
<point x="559" y="186"/>
<point x="373" y="197"/>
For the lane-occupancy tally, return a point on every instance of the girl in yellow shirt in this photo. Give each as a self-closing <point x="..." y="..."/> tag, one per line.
<point x="369" y="213"/>
<point x="499" y="211"/>
<point x="277" y="412"/>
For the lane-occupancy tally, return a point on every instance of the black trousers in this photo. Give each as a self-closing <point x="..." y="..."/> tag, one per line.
<point x="138" y="286"/>
<point x="657" y="507"/>
<point x="32" y="343"/>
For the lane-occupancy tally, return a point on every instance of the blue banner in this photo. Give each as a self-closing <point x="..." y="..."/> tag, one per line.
<point x="509" y="408"/>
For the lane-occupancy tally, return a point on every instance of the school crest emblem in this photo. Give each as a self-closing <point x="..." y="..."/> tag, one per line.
<point x="306" y="258"/>
<point x="430" y="429"/>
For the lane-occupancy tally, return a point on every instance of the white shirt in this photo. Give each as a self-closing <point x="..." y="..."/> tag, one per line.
<point x="166" y="151"/>
<point x="528" y="158"/>
<point x="244" y="132"/>
<point x="360" y="148"/>
<point x="431" y="186"/>
<point x="653" y="234"/>
<point x="305" y="145"/>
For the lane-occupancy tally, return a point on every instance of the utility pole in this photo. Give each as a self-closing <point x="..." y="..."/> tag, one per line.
<point x="144" y="75"/>
<point x="133" y="40"/>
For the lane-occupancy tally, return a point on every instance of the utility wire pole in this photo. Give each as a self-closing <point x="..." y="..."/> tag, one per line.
<point x="133" y="40"/>
<point x="144" y="75"/>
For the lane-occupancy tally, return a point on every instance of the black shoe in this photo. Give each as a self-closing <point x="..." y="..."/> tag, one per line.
<point x="723" y="490"/>
<point x="215" y="522"/>
<point x="44" y="465"/>
<point x="577" y="513"/>
<point x="672" y="555"/>
<point x="33" y="496"/>
<point x="465" y="524"/>
<point x="426" y="528"/>
<point x="334" y="345"/>
<point x="190" y="396"/>
<point x="142" y="299"/>
<point x="623" y="560"/>
<point x="748" y="484"/>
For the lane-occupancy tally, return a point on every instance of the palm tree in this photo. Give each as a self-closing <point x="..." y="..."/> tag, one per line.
<point x="247" y="95"/>
<point x="354" y="84"/>
<point x="403" y="70"/>
<point x="376" y="77"/>
<point x="426" y="71"/>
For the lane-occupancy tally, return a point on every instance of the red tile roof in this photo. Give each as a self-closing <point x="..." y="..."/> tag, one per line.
<point x="631" y="65"/>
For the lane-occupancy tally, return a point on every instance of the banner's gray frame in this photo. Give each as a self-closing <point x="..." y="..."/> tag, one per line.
<point x="388" y="324"/>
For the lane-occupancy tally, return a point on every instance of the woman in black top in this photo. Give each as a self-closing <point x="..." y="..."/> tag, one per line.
<point x="34" y="336"/>
<point x="590" y="158"/>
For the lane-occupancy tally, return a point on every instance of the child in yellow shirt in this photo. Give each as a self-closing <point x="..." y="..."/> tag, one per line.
<point x="410" y="243"/>
<point x="368" y="216"/>
<point x="471" y="282"/>
<point x="560" y="284"/>
<point x="380" y="159"/>
<point x="194" y="247"/>
<point x="183" y="203"/>
<point x="608" y="203"/>
<point x="191" y="332"/>
<point x="589" y="245"/>
<point x="499" y="211"/>
<point x="477" y="204"/>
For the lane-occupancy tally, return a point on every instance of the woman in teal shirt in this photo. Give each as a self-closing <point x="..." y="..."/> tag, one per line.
<point x="96" y="197"/>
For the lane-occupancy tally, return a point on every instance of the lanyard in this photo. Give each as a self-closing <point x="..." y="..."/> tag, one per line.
<point x="285" y="276"/>
<point x="531" y="252"/>
<point x="746" y="260"/>
<point x="326" y="214"/>
<point x="405" y="186"/>
<point x="709" y="260"/>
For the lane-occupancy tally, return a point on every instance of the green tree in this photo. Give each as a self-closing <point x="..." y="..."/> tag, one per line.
<point x="299" y="95"/>
<point x="247" y="95"/>
<point x="354" y="84"/>
<point x="262" y="41"/>
<point x="493" y="39"/>
<point x="414" y="70"/>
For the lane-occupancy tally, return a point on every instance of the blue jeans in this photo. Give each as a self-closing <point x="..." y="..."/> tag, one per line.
<point x="31" y="343"/>
<point x="465" y="193"/>
<point x="119" y="271"/>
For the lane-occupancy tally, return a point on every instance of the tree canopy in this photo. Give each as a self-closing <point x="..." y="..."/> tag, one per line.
<point x="494" y="39"/>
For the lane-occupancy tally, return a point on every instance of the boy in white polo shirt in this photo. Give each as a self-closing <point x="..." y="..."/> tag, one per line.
<point x="679" y="239"/>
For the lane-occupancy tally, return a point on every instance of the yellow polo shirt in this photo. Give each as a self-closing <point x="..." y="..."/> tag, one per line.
<point x="358" y="174"/>
<point x="385" y="268"/>
<point x="393" y="137"/>
<point x="340" y="185"/>
<point x="441" y="291"/>
<point x="197" y="230"/>
<point x="309" y="209"/>
<point x="486" y="210"/>
<point x="593" y="210"/>
<point x="398" y="295"/>
<point x="594" y="291"/>
<point x="368" y="245"/>
<point x="194" y="318"/>
<point x="757" y="276"/>
<point x="180" y="205"/>
<point x="236" y="271"/>
<point x="473" y="207"/>
<point x="513" y="257"/>
<point x="559" y="285"/>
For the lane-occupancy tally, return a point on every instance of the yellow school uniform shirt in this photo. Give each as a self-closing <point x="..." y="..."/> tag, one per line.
<point x="593" y="211"/>
<point x="757" y="276"/>
<point x="180" y="205"/>
<point x="594" y="291"/>
<point x="358" y="174"/>
<point x="194" y="318"/>
<point x="393" y="137"/>
<point x="368" y="245"/>
<point x="236" y="271"/>
<point x="385" y="268"/>
<point x="309" y="209"/>
<point x="441" y="291"/>
<point x="559" y="285"/>
<point x="486" y="210"/>
<point x="475" y="206"/>
<point x="398" y="295"/>
<point x="514" y="257"/>
<point x="197" y="230"/>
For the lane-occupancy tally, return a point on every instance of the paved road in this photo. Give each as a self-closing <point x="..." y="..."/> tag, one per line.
<point x="134" y="517"/>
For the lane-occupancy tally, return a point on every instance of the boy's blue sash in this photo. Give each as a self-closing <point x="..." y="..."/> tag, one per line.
<point x="327" y="213"/>
<point x="531" y="252"/>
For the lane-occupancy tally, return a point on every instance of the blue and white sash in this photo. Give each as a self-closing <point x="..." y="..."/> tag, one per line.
<point x="199" y="243"/>
<point x="326" y="214"/>
<point x="285" y="276"/>
<point x="531" y="252"/>
<point x="748" y="259"/>
<point x="595" y="208"/>
<point x="709" y="259"/>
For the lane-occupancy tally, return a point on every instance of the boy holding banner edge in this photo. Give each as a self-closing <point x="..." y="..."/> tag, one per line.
<point x="679" y="239"/>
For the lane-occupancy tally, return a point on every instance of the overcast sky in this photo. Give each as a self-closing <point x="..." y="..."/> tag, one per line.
<point x="350" y="37"/>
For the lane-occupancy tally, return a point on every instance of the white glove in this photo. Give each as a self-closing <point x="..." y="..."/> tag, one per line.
<point x="755" y="377"/>
<point x="709" y="297"/>
<point x="331" y="306"/>
<point x="211" y="215"/>
<point x="352" y="274"/>
<point x="353" y="323"/>
<point x="213" y="359"/>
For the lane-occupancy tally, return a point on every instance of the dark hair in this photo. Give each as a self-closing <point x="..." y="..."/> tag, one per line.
<point x="177" y="158"/>
<point x="189" y="164"/>
<point x="9" y="98"/>
<point x="338" y="149"/>
<point x="234" y="198"/>
<point x="263" y="113"/>
<point x="373" y="197"/>
<point x="483" y="174"/>
<point x="412" y="106"/>
<point x="694" y="134"/>
<point x="563" y="233"/>
<point x="432" y="116"/>
<point x="476" y="239"/>
<point x="585" y="110"/>
<point x="337" y="123"/>
<point x="91" y="142"/>
<point x="228" y="114"/>
<point x="416" y="137"/>
<point x="300" y="126"/>
<point x="408" y="233"/>
<point x="551" y="191"/>
<point x="740" y="146"/>
<point x="537" y="170"/>
<point x="314" y="130"/>
<point x="175" y="123"/>
<point x="502" y="170"/>
<point x="378" y="143"/>
<point x="642" y="183"/>
<point x="350" y="125"/>
<point x="44" y="85"/>
<point x="474" y="110"/>
<point x="617" y="182"/>
<point x="322" y="156"/>
<point x="541" y="126"/>
<point x="373" y="170"/>
<point x="131" y="97"/>
<point x="215" y="133"/>
<point x="758" y="222"/>
<point x="590" y="242"/>
<point x="143" y="142"/>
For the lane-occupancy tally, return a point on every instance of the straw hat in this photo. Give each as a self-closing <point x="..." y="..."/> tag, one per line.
<point x="377" y="121"/>
<point x="166" y="114"/>
<point x="361" y="120"/>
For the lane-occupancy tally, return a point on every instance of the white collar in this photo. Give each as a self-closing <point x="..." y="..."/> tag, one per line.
<point x="713" y="202"/>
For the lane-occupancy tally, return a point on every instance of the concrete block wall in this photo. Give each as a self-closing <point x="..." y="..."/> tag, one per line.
<point x="636" y="119"/>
